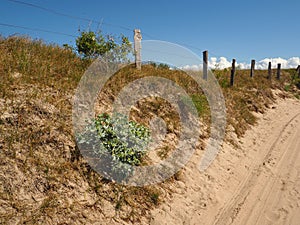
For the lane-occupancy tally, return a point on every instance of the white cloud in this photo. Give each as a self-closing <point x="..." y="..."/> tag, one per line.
<point x="192" y="67"/>
<point x="285" y="63"/>
<point x="222" y="63"/>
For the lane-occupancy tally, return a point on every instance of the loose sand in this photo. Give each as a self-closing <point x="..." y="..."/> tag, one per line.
<point x="255" y="183"/>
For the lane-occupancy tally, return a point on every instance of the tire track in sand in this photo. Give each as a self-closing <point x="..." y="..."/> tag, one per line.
<point x="248" y="204"/>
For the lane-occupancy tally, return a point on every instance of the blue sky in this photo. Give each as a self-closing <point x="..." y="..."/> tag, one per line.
<point x="233" y="29"/>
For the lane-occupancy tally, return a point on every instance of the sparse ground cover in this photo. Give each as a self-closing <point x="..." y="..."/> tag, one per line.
<point x="43" y="177"/>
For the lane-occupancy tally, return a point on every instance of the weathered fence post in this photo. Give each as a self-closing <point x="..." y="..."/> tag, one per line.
<point x="252" y="68"/>
<point x="137" y="48"/>
<point x="270" y="71"/>
<point x="232" y="73"/>
<point x="298" y="71"/>
<point x="205" y="65"/>
<point x="278" y="71"/>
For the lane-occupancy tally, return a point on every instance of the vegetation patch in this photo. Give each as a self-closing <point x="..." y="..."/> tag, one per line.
<point x="123" y="142"/>
<point x="44" y="178"/>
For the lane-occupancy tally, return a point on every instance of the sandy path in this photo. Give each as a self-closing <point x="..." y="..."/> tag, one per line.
<point x="258" y="183"/>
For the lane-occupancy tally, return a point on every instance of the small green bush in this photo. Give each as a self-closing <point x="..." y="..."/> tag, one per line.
<point x="125" y="141"/>
<point x="92" y="45"/>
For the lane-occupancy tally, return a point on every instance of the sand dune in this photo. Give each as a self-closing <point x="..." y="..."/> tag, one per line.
<point x="255" y="183"/>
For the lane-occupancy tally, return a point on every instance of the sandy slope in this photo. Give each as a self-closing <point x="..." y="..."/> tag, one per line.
<point x="257" y="183"/>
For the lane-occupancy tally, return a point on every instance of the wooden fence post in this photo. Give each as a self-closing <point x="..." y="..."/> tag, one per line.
<point x="270" y="71"/>
<point x="298" y="71"/>
<point x="232" y="73"/>
<point x="137" y="48"/>
<point x="252" y="68"/>
<point x="278" y="71"/>
<point x="205" y="65"/>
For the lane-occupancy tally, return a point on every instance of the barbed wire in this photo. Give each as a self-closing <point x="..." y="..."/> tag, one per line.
<point x="68" y="15"/>
<point x="91" y="20"/>
<point x="36" y="29"/>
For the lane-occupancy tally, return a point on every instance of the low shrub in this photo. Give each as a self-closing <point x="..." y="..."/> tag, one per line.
<point x="121" y="143"/>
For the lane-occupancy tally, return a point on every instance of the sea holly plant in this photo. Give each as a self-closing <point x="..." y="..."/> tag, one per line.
<point x="116" y="143"/>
